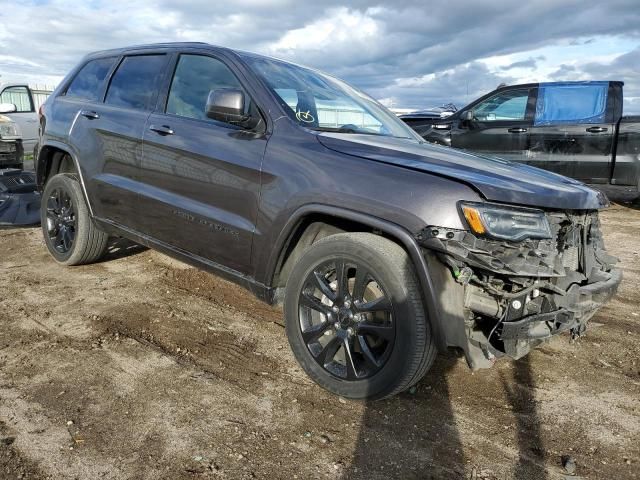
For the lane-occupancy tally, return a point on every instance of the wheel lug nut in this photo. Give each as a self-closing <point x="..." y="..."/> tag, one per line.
<point x="350" y="331"/>
<point x="335" y="308"/>
<point x="337" y="325"/>
<point x="347" y="303"/>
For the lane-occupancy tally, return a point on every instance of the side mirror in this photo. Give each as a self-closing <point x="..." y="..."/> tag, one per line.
<point x="466" y="116"/>
<point x="226" y="105"/>
<point x="7" y="108"/>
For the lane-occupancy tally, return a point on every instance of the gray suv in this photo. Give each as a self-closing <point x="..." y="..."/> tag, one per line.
<point x="383" y="249"/>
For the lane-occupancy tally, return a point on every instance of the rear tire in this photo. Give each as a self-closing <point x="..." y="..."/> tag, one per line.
<point x="70" y="234"/>
<point x="368" y="339"/>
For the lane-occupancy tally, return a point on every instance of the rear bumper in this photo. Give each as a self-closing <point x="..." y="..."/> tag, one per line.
<point x="577" y="306"/>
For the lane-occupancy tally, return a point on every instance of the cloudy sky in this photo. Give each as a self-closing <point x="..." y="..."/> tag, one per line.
<point x="411" y="54"/>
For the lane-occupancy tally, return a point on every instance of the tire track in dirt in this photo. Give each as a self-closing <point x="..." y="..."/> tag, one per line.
<point x="12" y="462"/>
<point x="102" y="350"/>
<point x="220" y="355"/>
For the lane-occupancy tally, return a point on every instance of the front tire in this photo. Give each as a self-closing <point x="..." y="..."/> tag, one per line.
<point x="69" y="232"/>
<point x="355" y="318"/>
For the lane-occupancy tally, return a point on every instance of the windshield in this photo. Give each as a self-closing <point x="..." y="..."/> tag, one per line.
<point x="321" y="102"/>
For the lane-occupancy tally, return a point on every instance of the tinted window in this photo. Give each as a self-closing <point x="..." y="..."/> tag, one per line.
<point x="509" y="105"/>
<point x="136" y="82"/>
<point x="195" y="77"/>
<point x="571" y="103"/>
<point x="19" y="96"/>
<point x="89" y="80"/>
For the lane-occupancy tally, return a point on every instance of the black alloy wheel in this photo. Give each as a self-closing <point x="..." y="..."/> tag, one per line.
<point x="346" y="319"/>
<point x="70" y="234"/>
<point x="61" y="220"/>
<point x="355" y="317"/>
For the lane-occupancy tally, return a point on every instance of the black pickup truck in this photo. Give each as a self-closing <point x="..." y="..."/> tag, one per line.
<point x="572" y="128"/>
<point x="383" y="249"/>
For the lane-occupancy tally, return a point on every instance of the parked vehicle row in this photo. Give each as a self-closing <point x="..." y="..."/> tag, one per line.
<point x="11" y="149"/>
<point x="21" y="105"/>
<point x="573" y="128"/>
<point x="383" y="248"/>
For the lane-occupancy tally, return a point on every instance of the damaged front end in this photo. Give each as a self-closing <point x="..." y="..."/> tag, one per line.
<point x="503" y="297"/>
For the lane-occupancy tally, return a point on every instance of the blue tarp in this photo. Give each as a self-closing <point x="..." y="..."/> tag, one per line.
<point x="560" y="103"/>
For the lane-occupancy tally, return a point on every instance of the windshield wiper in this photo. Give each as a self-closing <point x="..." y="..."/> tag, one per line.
<point x="347" y="131"/>
<point x="359" y="132"/>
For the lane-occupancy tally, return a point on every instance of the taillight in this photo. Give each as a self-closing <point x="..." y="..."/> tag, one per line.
<point x="40" y="112"/>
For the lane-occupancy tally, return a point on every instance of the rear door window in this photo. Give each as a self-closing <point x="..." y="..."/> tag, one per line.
<point x="571" y="103"/>
<point x="136" y="81"/>
<point x="89" y="81"/>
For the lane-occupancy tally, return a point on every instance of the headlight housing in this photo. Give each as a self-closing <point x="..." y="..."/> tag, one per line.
<point x="8" y="128"/>
<point x="506" y="223"/>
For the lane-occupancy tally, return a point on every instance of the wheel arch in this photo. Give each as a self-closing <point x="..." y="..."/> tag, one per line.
<point x="52" y="158"/>
<point x="314" y="221"/>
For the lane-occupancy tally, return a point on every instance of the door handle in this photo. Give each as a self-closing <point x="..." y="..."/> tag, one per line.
<point x="517" y="130"/>
<point x="90" y="114"/>
<point x="597" y="129"/>
<point x="161" y="130"/>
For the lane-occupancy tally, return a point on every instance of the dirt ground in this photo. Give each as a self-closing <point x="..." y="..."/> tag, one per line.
<point x="141" y="367"/>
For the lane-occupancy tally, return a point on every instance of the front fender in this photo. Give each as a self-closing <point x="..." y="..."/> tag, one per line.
<point x="404" y="237"/>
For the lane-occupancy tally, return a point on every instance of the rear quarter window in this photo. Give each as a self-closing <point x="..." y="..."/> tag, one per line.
<point x="89" y="81"/>
<point x="136" y="81"/>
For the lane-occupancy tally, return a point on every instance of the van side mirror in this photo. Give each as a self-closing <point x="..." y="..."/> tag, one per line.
<point x="7" y="108"/>
<point x="466" y="116"/>
<point x="226" y="105"/>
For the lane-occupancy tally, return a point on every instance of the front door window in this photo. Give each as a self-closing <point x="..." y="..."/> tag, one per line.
<point x="510" y="105"/>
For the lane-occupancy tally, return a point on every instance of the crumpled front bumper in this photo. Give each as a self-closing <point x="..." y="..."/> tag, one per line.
<point x="502" y="298"/>
<point x="577" y="306"/>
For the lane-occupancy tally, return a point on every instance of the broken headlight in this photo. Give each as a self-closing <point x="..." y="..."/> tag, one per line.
<point x="506" y="223"/>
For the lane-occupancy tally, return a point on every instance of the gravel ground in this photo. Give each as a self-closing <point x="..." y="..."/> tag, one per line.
<point x="141" y="367"/>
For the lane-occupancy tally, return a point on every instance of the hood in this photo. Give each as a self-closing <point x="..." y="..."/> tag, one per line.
<point x="496" y="179"/>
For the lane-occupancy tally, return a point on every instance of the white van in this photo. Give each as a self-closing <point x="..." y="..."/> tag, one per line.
<point x="27" y="101"/>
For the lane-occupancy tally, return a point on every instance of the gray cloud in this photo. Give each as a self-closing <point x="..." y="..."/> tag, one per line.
<point x="625" y="67"/>
<point x="459" y="85"/>
<point x="376" y="45"/>
<point x="530" y="63"/>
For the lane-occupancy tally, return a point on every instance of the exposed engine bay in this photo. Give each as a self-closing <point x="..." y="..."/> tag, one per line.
<point x="515" y="295"/>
